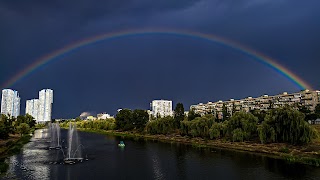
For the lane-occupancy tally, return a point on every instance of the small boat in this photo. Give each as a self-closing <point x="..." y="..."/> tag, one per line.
<point x="121" y="144"/>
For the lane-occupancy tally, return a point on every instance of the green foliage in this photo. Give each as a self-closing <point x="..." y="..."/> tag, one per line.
<point x="178" y="114"/>
<point x="129" y="120"/>
<point x="123" y="120"/>
<point x="242" y="126"/>
<point x="286" y="125"/>
<point x="317" y="110"/>
<point x="163" y="125"/>
<point x="5" y="126"/>
<point x="284" y="150"/>
<point x="260" y="114"/>
<point x="23" y="128"/>
<point x="192" y="115"/>
<point x="199" y="127"/>
<point x="218" y="130"/>
<point x="108" y="124"/>
<point x="225" y="113"/>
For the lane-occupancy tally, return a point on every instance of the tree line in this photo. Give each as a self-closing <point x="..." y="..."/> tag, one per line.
<point x="15" y="125"/>
<point x="286" y="124"/>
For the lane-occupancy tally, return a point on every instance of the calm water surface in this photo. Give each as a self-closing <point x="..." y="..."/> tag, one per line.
<point x="142" y="159"/>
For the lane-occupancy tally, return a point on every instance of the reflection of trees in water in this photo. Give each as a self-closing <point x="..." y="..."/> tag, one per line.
<point x="181" y="160"/>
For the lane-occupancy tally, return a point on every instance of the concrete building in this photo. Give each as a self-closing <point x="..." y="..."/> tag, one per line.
<point x="303" y="98"/>
<point x="161" y="108"/>
<point x="32" y="108"/>
<point x="10" y="103"/>
<point x="104" y="116"/>
<point x="45" y="105"/>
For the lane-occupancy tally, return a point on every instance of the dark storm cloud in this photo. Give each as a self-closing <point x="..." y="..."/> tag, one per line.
<point x="132" y="71"/>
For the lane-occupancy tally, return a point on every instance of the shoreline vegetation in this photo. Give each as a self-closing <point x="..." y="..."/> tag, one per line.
<point x="293" y="154"/>
<point x="15" y="132"/>
<point x="281" y="133"/>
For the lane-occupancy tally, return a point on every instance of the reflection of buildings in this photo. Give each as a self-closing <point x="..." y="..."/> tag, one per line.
<point x="304" y="98"/>
<point x="41" y="108"/>
<point x="10" y="103"/>
<point x="161" y="108"/>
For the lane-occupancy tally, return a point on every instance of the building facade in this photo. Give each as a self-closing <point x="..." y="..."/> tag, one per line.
<point x="161" y="108"/>
<point x="10" y="103"/>
<point x="32" y="108"/>
<point x="45" y="105"/>
<point x="303" y="98"/>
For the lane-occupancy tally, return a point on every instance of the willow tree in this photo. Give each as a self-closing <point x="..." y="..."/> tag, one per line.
<point x="242" y="126"/>
<point x="286" y="125"/>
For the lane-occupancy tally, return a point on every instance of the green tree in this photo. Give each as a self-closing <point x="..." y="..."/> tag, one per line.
<point x="163" y="125"/>
<point x="192" y="115"/>
<point x="242" y="124"/>
<point x="139" y="119"/>
<point x="124" y="120"/>
<point x="178" y="114"/>
<point x="225" y="113"/>
<point x="286" y="125"/>
<point x="317" y="110"/>
<point x="23" y="128"/>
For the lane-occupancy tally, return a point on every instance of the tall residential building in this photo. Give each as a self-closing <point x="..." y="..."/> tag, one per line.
<point x="161" y="108"/>
<point x="32" y="108"/>
<point x="45" y="105"/>
<point x="10" y="103"/>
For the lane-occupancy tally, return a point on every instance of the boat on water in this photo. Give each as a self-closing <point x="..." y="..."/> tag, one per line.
<point x="121" y="144"/>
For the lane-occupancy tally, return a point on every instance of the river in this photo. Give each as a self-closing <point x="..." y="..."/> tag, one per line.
<point x="142" y="159"/>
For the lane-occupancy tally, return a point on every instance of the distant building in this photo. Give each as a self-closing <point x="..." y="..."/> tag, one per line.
<point x="32" y="108"/>
<point x="10" y="103"/>
<point x="303" y="98"/>
<point x="104" y="116"/>
<point x="161" y="108"/>
<point x="91" y="118"/>
<point x="45" y="105"/>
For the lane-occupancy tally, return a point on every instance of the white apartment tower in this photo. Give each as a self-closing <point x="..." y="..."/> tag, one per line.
<point x="10" y="103"/>
<point x="161" y="108"/>
<point x="32" y="108"/>
<point x="45" y="105"/>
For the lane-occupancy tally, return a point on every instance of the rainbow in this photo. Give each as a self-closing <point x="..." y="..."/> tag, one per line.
<point x="300" y="83"/>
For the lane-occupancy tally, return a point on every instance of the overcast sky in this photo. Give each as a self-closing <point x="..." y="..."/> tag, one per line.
<point x="130" y="72"/>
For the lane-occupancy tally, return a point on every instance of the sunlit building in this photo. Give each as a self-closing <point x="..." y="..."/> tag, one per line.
<point x="10" y="103"/>
<point x="305" y="98"/>
<point x="161" y="108"/>
<point x="45" y="105"/>
<point x="32" y="108"/>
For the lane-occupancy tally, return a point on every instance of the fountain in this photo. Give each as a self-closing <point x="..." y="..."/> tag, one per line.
<point x="55" y="136"/>
<point x="74" y="147"/>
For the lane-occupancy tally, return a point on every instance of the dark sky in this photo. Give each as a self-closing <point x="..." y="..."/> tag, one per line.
<point x="130" y="72"/>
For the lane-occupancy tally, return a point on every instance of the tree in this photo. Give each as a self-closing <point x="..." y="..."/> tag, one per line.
<point x="23" y="128"/>
<point x="139" y="119"/>
<point x="178" y="114"/>
<point x="225" y="113"/>
<point x="286" y="125"/>
<point x="317" y="110"/>
<point x="123" y="120"/>
<point x="306" y="111"/>
<point x="192" y="115"/>
<point x="242" y="126"/>
<point x="5" y="126"/>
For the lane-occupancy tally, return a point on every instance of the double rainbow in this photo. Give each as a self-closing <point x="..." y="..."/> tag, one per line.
<point x="299" y="82"/>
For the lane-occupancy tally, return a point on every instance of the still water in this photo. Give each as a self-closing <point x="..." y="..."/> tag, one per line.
<point x="141" y="159"/>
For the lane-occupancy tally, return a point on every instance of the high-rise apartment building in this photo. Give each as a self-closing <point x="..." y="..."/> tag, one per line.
<point x="161" y="108"/>
<point x="32" y="108"/>
<point x="45" y="105"/>
<point x="10" y="103"/>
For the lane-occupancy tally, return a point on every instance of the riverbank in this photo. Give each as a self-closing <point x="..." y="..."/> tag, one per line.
<point x="307" y="154"/>
<point x="10" y="147"/>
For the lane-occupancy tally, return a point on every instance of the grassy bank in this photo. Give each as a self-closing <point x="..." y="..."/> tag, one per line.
<point x="10" y="147"/>
<point x="307" y="154"/>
